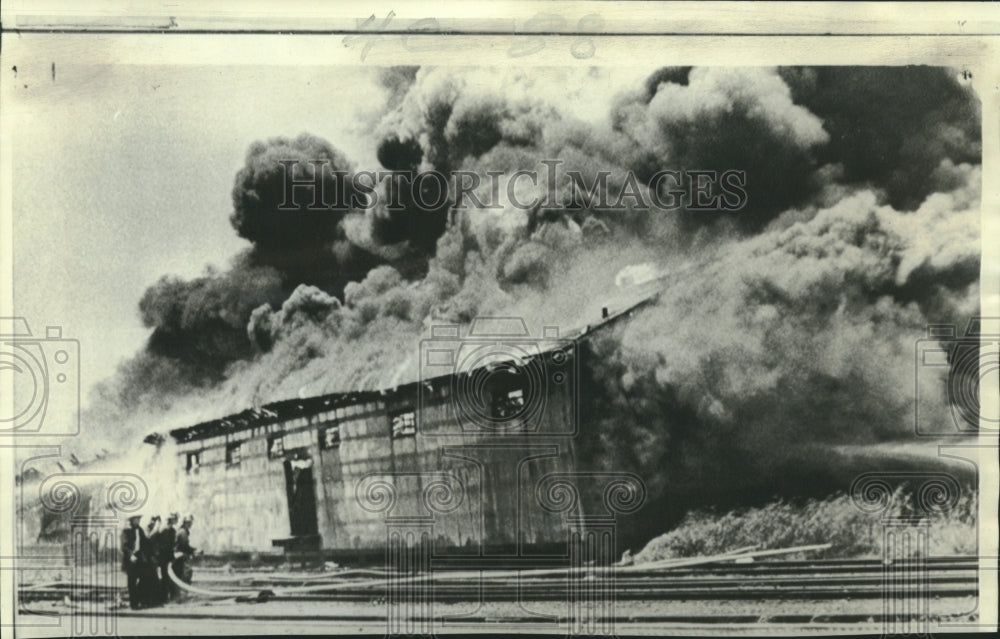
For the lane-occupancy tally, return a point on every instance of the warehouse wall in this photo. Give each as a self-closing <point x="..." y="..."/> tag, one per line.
<point x="236" y="507"/>
<point x="243" y="507"/>
<point x="488" y="464"/>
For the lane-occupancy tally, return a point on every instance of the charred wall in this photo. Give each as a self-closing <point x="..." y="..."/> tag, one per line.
<point x="242" y="503"/>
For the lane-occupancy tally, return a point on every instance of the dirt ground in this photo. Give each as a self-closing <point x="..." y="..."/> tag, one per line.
<point x="226" y="617"/>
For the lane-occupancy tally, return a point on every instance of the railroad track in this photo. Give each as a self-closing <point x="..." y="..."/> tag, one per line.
<point x="767" y="580"/>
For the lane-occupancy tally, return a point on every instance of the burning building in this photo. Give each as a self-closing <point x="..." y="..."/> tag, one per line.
<point x="779" y="362"/>
<point x="488" y="449"/>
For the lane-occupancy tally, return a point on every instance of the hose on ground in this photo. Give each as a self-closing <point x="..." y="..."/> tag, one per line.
<point x="478" y="575"/>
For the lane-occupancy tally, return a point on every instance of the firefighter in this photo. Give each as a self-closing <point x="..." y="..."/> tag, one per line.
<point x="153" y="526"/>
<point x="163" y="545"/>
<point x="135" y="562"/>
<point x="183" y="551"/>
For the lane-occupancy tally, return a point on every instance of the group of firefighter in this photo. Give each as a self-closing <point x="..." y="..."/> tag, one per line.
<point x="148" y="555"/>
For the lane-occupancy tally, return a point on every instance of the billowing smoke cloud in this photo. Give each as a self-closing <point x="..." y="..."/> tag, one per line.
<point x="446" y="117"/>
<point x="811" y="338"/>
<point x="718" y="119"/>
<point x="198" y="330"/>
<point x="299" y="230"/>
<point x="265" y="208"/>
<point x="785" y="330"/>
<point x="921" y="116"/>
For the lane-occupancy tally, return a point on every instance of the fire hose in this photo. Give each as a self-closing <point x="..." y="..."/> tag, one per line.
<point x="340" y="584"/>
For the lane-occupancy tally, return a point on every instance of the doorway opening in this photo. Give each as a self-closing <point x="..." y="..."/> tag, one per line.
<point x="301" y="489"/>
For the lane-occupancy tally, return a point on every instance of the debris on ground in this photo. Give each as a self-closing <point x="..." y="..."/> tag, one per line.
<point x="627" y="558"/>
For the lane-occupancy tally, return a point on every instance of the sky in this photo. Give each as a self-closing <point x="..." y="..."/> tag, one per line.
<point x="123" y="174"/>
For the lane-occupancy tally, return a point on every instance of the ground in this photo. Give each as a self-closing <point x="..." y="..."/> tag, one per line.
<point x="227" y="617"/>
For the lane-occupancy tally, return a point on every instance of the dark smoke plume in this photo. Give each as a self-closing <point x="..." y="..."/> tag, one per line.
<point x="921" y="116"/>
<point x="718" y="119"/>
<point x="785" y="330"/>
<point x="299" y="232"/>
